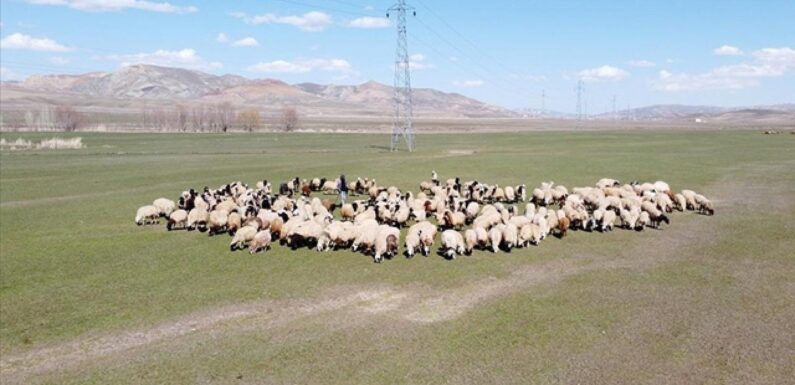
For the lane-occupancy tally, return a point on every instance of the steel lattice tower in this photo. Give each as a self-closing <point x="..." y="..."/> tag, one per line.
<point x="402" y="124"/>
<point x="579" y="99"/>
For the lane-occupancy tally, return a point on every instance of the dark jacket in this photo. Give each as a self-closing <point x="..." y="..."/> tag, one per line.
<point x="343" y="185"/>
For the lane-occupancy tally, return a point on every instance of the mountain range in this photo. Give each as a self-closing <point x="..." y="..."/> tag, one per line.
<point x="147" y="83"/>
<point x="134" y="88"/>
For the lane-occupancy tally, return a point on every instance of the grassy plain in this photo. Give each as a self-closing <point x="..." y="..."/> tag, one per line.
<point x="88" y="297"/>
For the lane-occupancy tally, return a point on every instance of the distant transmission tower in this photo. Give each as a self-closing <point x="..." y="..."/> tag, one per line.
<point x="579" y="99"/>
<point x="614" y="108"/>
<point x="402" y="124"/>
<point x="543" y="102"/>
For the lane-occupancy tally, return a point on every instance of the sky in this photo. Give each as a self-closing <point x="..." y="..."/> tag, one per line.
<point x="642" y="52"/>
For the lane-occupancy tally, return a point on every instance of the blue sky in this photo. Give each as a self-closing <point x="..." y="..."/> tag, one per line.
<point x="725" y="52"/>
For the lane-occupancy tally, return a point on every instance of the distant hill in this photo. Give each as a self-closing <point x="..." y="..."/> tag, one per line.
<point x="674" y="112"/>
<point x="147" y="83"/>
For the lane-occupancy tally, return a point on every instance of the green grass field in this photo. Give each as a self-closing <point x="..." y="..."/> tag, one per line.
<point x="88" y="297"/>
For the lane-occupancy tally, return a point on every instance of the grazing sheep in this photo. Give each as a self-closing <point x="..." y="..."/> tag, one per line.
<point x="166" y="206"/>
<point x="178" y="218"/>
<point x="564" y="223"/>
<point x="452" y="244"/>
<point x="608" y="218"/>
<point x="365" y="236"/>
<point x="261" y="241"/>
<point x="242" y="237"/>
<point x="233" y="222"/>
<point x="452" y="220"/>
<point x="197" y="219"/>
<point x="495" y="238"/>
<point x="470" y="241"/>
<point x="217" y="222"/>
<point x="386" y="243"/>
<point x="607" y="182"/>
<point x="690" y="199"/>
<point x="510" y="236"/>
<point x="680" y="202"/>
<point x="147" y="215"/>
<point x="420" y="236"/>
<point x="704" y="205"/>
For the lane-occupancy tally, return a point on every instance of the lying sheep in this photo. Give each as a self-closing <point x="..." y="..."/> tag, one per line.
<point x="261" y="241"/>
<point x="178" y="218"/>
<point x="147" y="215"/>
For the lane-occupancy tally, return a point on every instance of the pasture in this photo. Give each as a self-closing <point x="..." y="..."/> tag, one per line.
<point x="86" y="296"/>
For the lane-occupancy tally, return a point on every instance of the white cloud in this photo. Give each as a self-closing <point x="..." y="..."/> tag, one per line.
<point x="311" y="21"/>
<point x="301" y="66"/>
<point x="642" y="63"/>
<point x="185" y="58"/>
<point x="727" y="50"/>
<point x="222" y="38"/>
<point x="117" y="5"/>
<point x="417" y="62"/>
<point x="368" y="22"/>
<point x="468" y="83"/>
<point x="768" y="62"/>
<point x="603" y="73"/>
<point x="246" y="42"/>
<point x="20" y="41"/>
<point x="668" y="81"/>
<point x="58" y="60"/>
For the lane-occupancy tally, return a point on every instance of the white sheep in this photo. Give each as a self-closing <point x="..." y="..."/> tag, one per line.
<point x="386" y="243"/>
<point x="166" y="206"/>
<point x="242" y="237"/>
<point x="470" y="241"/>
<point x="178" y="218"/>
<point x="217" y="222"/>
<point x="261" y="241"/>
<point x="452" y="243"/>
<point x="704" y="205"/>
<point x="495" y="237"/>
<point x="147" y="215"/>
<point x="608" y="218"/>
<point x="197" y="219"/>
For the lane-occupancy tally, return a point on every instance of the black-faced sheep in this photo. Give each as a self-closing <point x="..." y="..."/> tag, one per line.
<point x="177" y="219"/>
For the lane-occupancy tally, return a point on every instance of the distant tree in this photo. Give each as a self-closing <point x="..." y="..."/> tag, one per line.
<point x="67" y="118"/>
<point x="226" y="116"/>
<point x="249" y="119"/>
<point x="289" y="119"/>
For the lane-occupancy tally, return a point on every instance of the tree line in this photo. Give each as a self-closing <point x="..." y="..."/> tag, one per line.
<point x="221" y="117"/>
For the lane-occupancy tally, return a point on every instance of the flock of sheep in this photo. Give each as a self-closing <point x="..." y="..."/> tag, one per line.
<point x="469" y="215"/>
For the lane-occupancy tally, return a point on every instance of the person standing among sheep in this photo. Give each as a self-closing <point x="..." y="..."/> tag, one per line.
<point x="342" y="187"/>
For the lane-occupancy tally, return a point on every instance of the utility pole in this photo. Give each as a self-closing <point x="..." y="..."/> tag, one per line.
<point x="402" y="124"/>
<point x="543" y="101"/>
<point x="579" y="99"/>
<point x="614" y="107"/>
